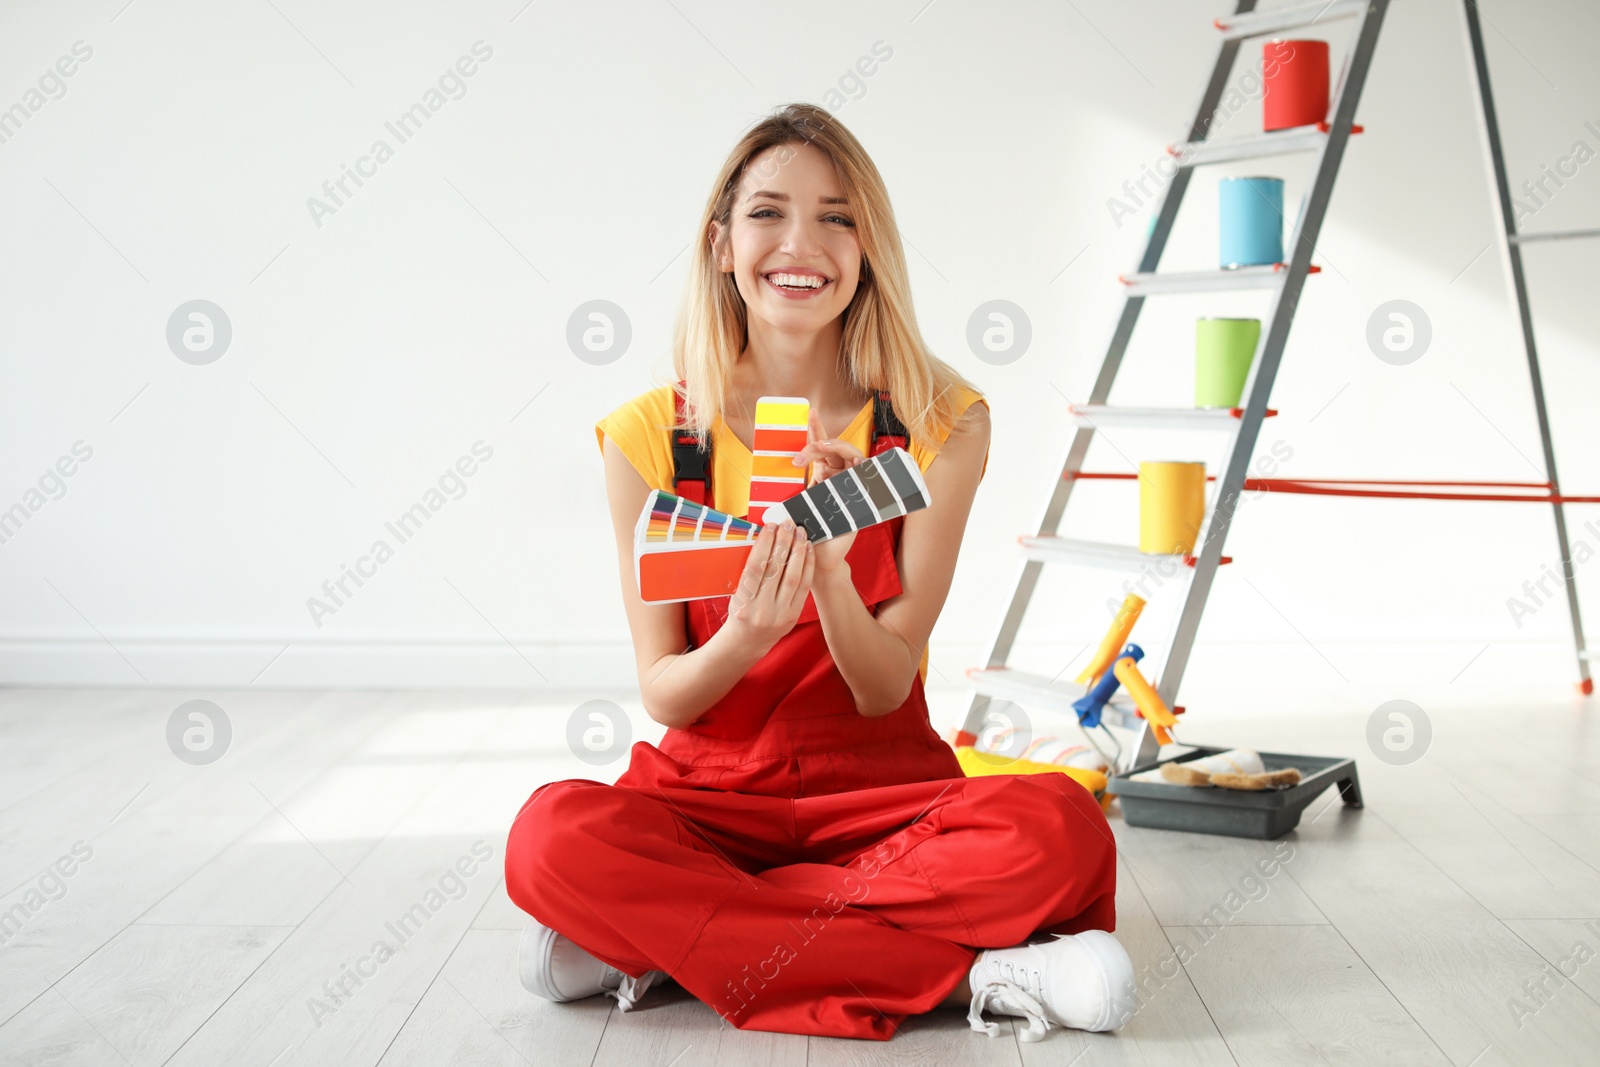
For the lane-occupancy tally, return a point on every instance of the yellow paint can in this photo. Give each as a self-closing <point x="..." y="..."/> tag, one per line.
<point x="1172" y="502"/>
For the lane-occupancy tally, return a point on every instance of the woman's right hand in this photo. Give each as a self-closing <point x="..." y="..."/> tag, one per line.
<point x="774" y="585"/>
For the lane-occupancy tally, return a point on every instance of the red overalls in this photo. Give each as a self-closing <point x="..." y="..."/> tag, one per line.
<point x="802" y="868"/>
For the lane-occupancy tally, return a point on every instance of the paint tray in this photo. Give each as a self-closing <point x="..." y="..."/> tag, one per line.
<point x="1207" y="809"/>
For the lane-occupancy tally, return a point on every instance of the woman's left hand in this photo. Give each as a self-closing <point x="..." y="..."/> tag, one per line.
<point x="828" y="456"/>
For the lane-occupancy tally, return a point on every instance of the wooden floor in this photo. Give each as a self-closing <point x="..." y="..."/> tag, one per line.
<point x="1456" y="920"/>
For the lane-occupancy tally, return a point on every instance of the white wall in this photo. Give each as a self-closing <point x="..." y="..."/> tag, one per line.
<point x="428" y="313"/>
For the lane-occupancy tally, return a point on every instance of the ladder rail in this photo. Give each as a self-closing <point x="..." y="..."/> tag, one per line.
<point x="1166" y="216"/>
<point x="1264" y="370"/>
<point x="1511" y="261"/>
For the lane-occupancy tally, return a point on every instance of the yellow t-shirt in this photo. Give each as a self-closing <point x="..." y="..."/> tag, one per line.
<point x="640" y="429"/>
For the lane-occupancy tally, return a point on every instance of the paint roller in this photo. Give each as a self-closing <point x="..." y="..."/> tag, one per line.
<point x="1121" y="627"/>
<point x="1145" y="698"/>
<point x="1092" y="704"/>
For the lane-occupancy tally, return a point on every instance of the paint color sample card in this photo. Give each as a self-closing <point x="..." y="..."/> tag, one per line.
<point x="879" y="489"/>
<point x="684" y="551"/>
<point x="780" y="434"/>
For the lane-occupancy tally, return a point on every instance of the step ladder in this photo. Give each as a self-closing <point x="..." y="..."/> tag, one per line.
<point x="1511" y="243"/>
<point x="1327" y="140"/>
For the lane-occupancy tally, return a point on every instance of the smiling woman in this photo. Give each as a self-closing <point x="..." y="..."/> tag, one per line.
<point x="806" y="200"/>
<point x="797" y="737"/>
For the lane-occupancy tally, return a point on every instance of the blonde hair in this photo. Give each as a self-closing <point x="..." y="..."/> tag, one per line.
<point x="881" y="347"/>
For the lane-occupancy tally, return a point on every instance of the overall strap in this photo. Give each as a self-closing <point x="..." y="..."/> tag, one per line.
<point x="691" y="468"/>
<point x="887" y="430"/>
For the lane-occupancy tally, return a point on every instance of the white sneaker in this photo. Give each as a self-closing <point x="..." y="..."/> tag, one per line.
<point x="1084" y="981"/>
<point x="554" y="967"/>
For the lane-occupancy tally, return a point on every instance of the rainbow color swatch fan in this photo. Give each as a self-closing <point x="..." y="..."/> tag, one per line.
<point x="686" y="551"/>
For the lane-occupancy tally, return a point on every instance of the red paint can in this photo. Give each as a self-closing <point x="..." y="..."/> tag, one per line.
<point x="1295" y="78"/>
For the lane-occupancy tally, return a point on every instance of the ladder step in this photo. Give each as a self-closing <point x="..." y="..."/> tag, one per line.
<point x="1039" y="691"/>
<point x="1048" y="548"/>
<point x="1255" y="146"/>
<point x="1288" y="17"/>
<point x="1096" y="416"/>
<point x="1551" y="235"/>
<point x="1268" y="276"/>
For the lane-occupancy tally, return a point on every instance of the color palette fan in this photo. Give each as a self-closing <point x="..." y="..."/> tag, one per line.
<point x="876" y="490"/>
<point x="686" y="551"/>
<point x="683" y="550"/>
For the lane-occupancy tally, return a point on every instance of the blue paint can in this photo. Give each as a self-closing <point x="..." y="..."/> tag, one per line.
<point x="1250" y="221"/>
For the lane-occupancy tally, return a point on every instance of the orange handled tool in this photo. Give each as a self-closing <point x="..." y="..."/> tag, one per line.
<point x="1115" y="638"/>
<point x="1146" y="699"/>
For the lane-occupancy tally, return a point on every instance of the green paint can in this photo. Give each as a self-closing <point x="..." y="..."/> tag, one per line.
<point x="1223" y="351"/>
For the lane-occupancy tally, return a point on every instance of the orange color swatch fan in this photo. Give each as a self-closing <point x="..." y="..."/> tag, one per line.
<point x="684" y="551"/>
